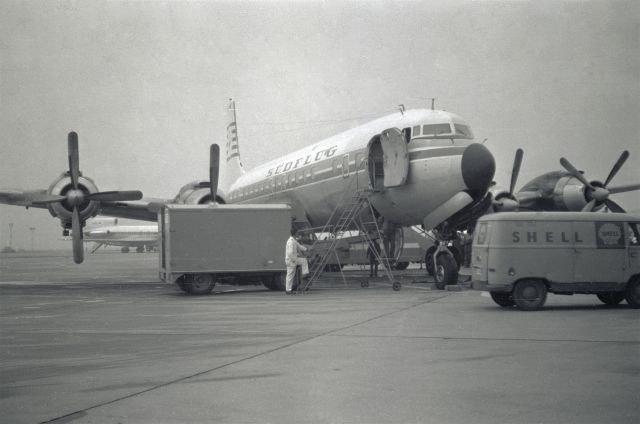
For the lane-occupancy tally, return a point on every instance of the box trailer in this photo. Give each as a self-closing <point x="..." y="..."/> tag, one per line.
<point x="201" y="245"/>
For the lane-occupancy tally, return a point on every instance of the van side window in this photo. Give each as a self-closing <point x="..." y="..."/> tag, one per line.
<point x="632" y="233"/>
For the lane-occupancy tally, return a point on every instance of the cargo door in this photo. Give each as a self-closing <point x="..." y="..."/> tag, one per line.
<point x="599" y="251"/>
<point x="396" y="157"/>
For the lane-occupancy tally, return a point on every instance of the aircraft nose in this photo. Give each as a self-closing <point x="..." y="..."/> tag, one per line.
<point x="478" y="167"/>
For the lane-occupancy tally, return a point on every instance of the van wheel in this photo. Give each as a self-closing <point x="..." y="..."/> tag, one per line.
<point x="632" y="293"/>
<point x="530" y="295"/>
<point x="446" y="272"/>
<point x="611" y="298"/>
<point x="504" y="299"/>
<point x="198" y="284"/>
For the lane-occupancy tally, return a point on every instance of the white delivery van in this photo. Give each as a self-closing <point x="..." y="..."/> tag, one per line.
<point x="520" y="256"/>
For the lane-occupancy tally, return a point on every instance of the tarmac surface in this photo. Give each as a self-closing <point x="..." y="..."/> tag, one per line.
<point x="106" y="342"/>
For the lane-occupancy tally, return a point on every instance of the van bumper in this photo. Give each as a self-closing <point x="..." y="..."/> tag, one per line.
<point x="486" y="286"/>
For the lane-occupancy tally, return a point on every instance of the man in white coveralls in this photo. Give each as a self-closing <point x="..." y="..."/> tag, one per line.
<point x="292" y="260"/>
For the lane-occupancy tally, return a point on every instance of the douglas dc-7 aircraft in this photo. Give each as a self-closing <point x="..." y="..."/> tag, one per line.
<point x="419" y="167"/>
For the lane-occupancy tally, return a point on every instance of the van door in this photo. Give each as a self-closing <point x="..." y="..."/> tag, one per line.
<point x="480" y="252"/>
<point x="396" y="157"/>
<point x="633" y="241"/>
<point x="599" y="249"/>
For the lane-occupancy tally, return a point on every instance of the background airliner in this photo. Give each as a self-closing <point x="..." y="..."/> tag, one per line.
<point x="110" y="232"/>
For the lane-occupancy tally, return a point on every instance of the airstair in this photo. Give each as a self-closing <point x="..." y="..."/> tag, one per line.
<point x="350" y="219"/>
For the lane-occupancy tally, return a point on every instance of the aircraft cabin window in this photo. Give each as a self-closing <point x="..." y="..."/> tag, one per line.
<point x="416" y="130"/>
<point x="436" y="129"/>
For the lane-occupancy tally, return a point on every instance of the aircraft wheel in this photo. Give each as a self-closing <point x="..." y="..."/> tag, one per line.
<point x="530" y="295"/>
<point x="364" y="284"/>
<point x="140" y="249"/>
<point x="446" y="272"/>
<point x="632" y="294"/>
<point x="428" y="260"/>
<point x="611" y="298"/>
<point x="198" y="284"/>
<point x="504" y="299"/>
<point x="396" y="286"/>
<point x="125" y="250"/>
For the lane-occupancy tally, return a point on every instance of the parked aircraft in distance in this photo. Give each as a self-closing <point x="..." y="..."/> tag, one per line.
<point x="417" y="166"/>
<point x="111" y="233"/>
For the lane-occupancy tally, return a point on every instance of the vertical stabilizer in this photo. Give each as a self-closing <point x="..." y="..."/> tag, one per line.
<point x="233" y="165"/>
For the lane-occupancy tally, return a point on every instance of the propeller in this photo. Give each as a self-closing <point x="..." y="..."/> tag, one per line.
<point x="214" y="170"/>
<point x="509" y="202"/>
<point x="76" y="197"/>
<point x="597" y="193"/>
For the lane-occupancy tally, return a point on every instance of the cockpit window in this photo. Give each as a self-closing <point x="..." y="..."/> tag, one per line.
<point x="435" y="129"/>
<point x="463" y="130"/>
<point x="416" y="130"/>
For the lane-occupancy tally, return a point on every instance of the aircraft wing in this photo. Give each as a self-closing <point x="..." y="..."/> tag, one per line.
<point x="29" y="198"/>
<point x="145" y="209"/>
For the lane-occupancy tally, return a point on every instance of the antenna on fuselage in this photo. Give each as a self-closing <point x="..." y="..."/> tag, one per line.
<point x="401" y="107"/>
<point x="433" y="103"/>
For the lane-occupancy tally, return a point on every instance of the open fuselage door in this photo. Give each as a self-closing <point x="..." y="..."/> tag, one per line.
<point x="395" y="157"/>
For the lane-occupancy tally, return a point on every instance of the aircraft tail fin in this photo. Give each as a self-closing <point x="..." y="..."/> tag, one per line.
<point x="233" y="165"/>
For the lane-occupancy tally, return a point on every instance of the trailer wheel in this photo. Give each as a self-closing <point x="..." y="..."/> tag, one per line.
<point x="632" y="293"/>
<point x="401" y="266"/>
<point x="198" y="284"/>
<point x="278" y="282"/>
<point x="530" y="295"/>
<point x="446" y="271"/>
<point x="611" y="298"/>
<point x="504" y="299"/>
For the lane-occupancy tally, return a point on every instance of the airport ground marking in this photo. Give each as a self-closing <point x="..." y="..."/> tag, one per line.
<point x="82" y="412"/>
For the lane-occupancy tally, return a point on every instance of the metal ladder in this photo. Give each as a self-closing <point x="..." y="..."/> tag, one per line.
<point x="349" y="219"/>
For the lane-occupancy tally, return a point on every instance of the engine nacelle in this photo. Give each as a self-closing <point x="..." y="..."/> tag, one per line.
<point x="502" y="200"/>
<point x="64" y="211"/>
<point x="569" y="194"/>
<point x="197" y="193"/>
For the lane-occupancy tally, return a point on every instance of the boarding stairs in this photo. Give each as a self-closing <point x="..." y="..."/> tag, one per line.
<point x="349" y="219"/>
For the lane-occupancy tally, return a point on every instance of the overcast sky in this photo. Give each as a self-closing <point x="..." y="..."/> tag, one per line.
<point x="146" y="84"/>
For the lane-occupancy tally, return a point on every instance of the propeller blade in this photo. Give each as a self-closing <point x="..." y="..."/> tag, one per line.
<point x="573" y="171"/>
<point x="517" y="161"/>
<point x="214" y="170"/>
<point x="613" y="206"/>
<point x="623" y="189"/>
<point x="76" y="234"/>
<point x="589" y="206"/>
<point x="621" y="160"/>
<point x="47" y="198"/>
<point x="74" y="158"/>
<point x="115" y="196"/>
